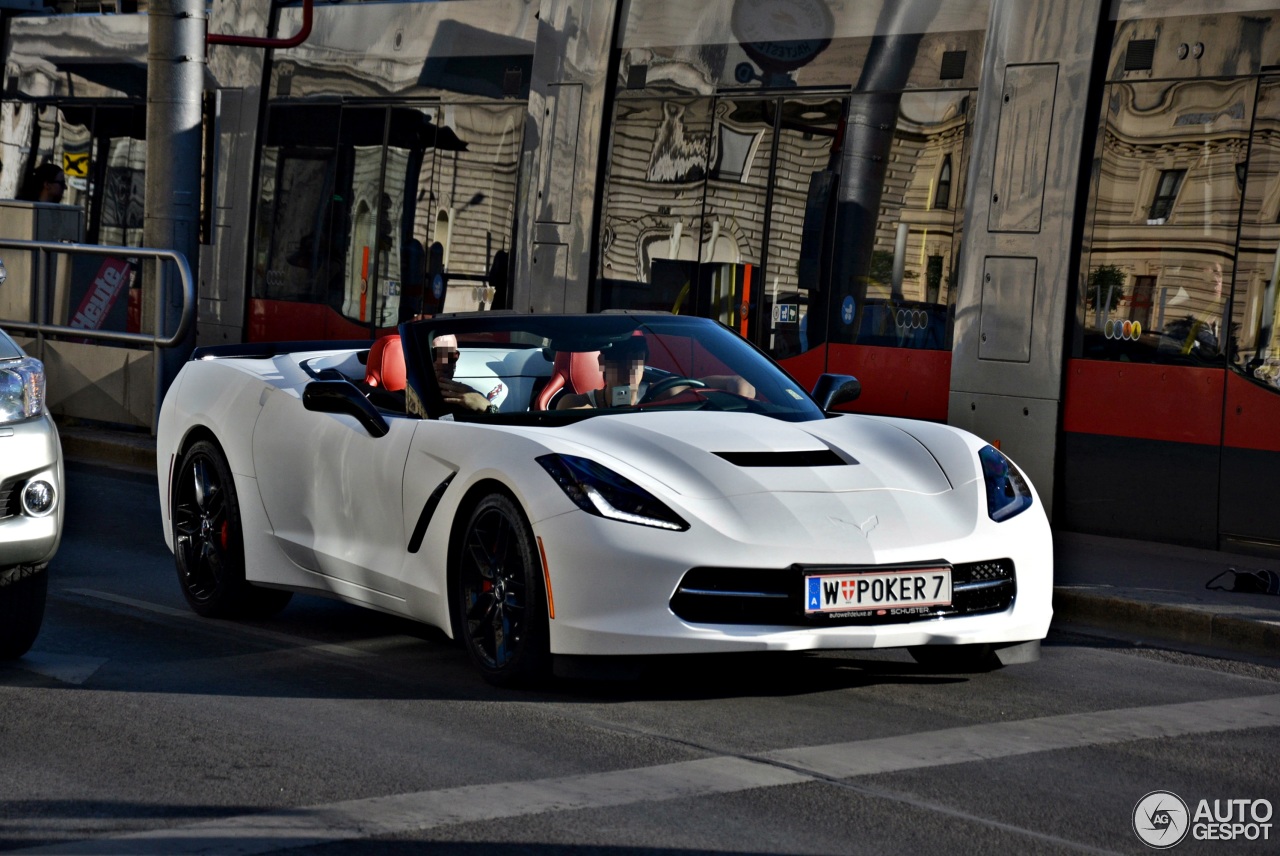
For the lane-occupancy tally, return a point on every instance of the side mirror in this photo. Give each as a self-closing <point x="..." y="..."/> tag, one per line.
<point x="339" y="396"/>
<point x="833" y="389"/>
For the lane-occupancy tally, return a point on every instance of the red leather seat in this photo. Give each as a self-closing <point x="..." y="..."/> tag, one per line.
<point x="385" y="366"/>
<point x="573" y="371"/>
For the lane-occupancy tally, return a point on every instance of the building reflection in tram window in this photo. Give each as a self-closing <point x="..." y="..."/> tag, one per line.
<point x="911" y="279"/>
<point x="724" y="208"/>
<point x="1255" y="309"/>
<point x="652" y="228"/>
<point x="366" y="211"/>
<point x="1165" y="210"/>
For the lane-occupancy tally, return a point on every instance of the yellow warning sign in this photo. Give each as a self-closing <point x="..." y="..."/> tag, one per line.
<point x="76" y="164"/>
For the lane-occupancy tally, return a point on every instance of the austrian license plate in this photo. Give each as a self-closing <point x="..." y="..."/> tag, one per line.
<point x="883" y="592"/>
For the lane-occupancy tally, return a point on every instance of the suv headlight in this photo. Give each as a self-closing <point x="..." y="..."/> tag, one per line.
<point x="21" y="389"/>
<point x="1007" y="491"/>
<point x="600" y="491"/>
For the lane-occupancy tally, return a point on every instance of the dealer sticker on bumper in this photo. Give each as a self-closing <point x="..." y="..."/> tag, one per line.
<point x="887" y="590"/>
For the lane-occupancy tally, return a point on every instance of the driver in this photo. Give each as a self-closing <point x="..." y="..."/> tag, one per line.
<point x="622" y="366"/>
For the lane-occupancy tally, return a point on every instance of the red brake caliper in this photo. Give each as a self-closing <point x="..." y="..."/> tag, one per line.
<point x="225" y="533"/>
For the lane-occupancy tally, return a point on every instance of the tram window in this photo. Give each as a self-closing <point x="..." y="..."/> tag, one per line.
<point x="653" y="228"/>
<point x="1255" y="319"/>
<point x="298" y="252"/>
<point x="905" y="286"/>
<point x="477" y="160"/>
<point x="1149" y="295"/>
<point x="803" y="183"/>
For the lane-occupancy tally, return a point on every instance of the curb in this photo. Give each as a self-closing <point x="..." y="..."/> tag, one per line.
<point x="119" y="449"/>
<point x="1167" y="623"/>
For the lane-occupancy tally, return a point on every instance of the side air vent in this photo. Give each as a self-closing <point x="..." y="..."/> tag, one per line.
<point x="1140" y="55"/>
<point x="814" y="458"/>
<point x="952" y="65"/>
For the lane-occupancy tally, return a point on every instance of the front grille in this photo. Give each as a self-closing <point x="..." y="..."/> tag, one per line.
<point x="775" y="596"/>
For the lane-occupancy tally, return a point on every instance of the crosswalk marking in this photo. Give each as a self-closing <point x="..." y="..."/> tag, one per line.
<point x="266" y="832"/>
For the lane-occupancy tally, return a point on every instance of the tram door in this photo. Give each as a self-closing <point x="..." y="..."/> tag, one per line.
<point x="345" y="195"/>
<point x="1171" y="395"/>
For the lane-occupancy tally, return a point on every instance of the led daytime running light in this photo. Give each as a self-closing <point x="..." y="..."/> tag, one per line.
<point x="600" y="491"/>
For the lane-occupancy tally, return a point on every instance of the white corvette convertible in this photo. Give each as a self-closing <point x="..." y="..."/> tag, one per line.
<point x="556" y="487"/>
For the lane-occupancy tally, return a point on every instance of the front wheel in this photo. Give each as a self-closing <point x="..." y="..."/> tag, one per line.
<point x="500" y="600"/>
<point x="208" y="541"/>
<point x="22" y="596"/>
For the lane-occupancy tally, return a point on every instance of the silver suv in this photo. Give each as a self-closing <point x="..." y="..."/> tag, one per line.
<point x="30" y="498"/>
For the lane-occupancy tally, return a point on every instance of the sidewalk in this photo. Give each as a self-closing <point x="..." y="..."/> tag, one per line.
<point x="1140" y="590"/>
<point x="1155" y="592"/>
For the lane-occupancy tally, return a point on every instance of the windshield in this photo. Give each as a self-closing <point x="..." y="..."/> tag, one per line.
<point x="8" y="349"/>
<point x="554" y="368"/>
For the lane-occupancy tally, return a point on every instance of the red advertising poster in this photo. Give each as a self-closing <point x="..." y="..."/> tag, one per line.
<point x="112" y="278"/>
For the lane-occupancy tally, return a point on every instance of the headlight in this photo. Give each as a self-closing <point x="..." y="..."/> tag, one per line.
<point x="600" y="491"/>
<point x="21" y="389"/>
<point x="1007" y="491"/>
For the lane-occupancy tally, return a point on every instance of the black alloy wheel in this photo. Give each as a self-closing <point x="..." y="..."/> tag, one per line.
<point x="501" y="602"/>
<point x="208" y="543"/>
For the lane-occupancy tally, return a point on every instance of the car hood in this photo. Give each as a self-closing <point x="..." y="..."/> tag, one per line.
<point x="684" y="452"/>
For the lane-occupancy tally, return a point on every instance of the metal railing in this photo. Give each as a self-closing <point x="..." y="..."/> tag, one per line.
<point x="41" y="250"/>
<point x="41" y="253"/>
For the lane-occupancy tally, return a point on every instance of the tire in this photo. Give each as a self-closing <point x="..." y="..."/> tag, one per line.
<point x="22" y="596"/>
<point x="500" y="603"/>
<point x="208" y="541"/>
<point x="956" y="659"/>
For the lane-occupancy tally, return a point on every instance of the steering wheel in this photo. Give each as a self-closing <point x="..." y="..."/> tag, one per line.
<point x="669" y="383"/>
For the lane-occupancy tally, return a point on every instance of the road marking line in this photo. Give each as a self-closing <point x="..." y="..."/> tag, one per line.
<point x="285" y="639"/>
<point x="992" y="740"/>
<point x="265" y="832"/>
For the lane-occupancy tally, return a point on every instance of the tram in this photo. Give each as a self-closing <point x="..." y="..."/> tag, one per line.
<point x="1053" y="224"/>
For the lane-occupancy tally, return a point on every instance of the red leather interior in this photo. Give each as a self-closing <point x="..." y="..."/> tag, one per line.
<point x="385" y="367"/>
<point x="573" y="371"/>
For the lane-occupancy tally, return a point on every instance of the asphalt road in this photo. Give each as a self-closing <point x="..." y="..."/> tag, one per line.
<point x="136" y="727"/>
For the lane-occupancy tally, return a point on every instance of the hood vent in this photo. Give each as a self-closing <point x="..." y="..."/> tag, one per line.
<point x="811" y="458"/>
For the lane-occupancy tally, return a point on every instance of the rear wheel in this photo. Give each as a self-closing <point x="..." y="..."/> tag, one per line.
<point x="500" y="601"/>
<point x="956" y="658"/>
<point x="22" y="595"/>
<point x="208" y="541"/>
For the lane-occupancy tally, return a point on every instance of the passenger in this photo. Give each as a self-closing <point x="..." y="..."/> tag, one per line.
<point x="622" y="366"/>
<point x="458" y="396"/>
